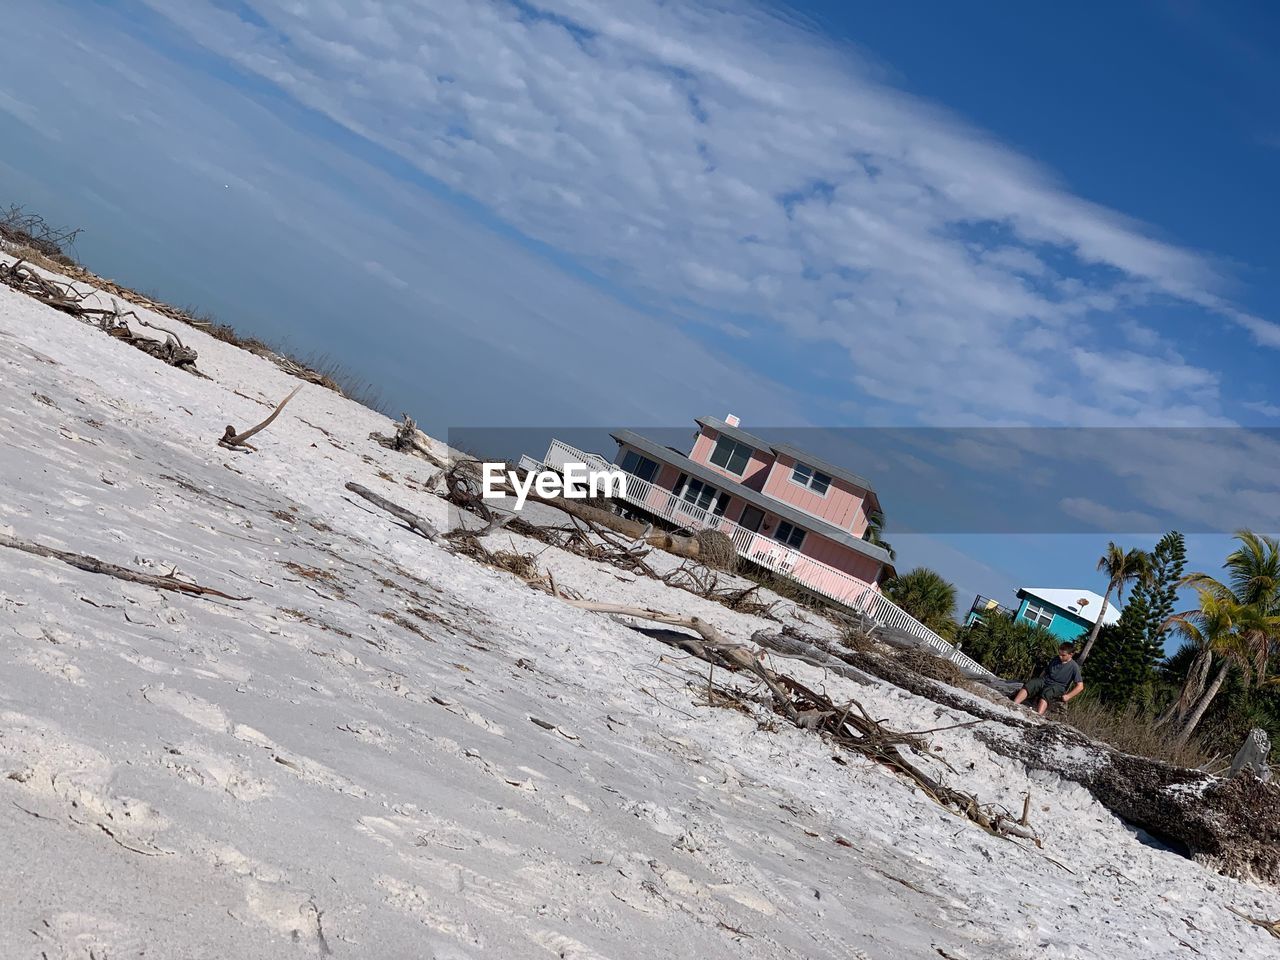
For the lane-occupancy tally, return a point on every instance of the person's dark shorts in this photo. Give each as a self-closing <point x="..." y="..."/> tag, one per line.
<point x="1046" y="690"/>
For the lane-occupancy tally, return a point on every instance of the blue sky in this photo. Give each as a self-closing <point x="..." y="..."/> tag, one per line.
<point x="828" y="215"/>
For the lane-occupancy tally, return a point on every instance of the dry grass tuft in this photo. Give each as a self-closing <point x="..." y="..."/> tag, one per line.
<point x="1130" y="732"/>
<point x="934" y="667"/>
<point x="34" y="257"/>
<point x="716" y="550"/>
<point x="858" y="639"/>
<point x="523" y="565"/>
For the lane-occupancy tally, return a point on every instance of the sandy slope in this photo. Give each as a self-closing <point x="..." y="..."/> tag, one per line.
<point x="346" y="763"/>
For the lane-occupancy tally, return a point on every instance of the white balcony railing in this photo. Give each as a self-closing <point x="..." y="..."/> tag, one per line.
<point x="821" y="578"/>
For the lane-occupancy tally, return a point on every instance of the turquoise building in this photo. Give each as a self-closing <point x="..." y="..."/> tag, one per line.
<point x="1069" y="614"/>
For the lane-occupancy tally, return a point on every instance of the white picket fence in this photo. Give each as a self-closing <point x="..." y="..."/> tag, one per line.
<point x="821" y="578"/>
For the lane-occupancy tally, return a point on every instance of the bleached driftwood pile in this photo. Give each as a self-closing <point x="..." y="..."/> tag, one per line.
<point x="66" y="298"/>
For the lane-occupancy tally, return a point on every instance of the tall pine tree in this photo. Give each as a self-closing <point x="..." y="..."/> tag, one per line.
<point x="1124" y="659"/>
<point x="1160" y="593"/>
<point x="1121" y="664"/>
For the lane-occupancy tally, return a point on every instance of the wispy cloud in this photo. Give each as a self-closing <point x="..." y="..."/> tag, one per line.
<point x="1105" y="518"/>
<point x="1262" y="407"/>
<point x="192" y="180"/>
<point x="718" y="161"/>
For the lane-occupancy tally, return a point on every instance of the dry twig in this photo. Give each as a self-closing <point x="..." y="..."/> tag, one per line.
<point x="1271" y="926"/>
<point x="94" y="565"/>
<point x="850" y="727"/>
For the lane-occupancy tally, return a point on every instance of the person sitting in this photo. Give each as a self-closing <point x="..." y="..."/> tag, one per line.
<point x="1061" y="680"/>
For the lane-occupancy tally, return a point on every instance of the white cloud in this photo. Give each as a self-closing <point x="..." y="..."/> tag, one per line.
<point x="1262" y="407"/>
<point x="1106" y="518"/>
<point x="289" y="237"/>
<point x="715" y="159"/>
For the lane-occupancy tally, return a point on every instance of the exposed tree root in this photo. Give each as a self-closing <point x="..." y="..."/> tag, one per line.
<point x="1229" y="824"/>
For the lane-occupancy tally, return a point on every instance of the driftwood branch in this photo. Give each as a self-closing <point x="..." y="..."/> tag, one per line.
<point x="232" y="439"/>
<point x="414" y="522"/>
<point x="1271" y="926"/>
<point x="849" y="725"/>
<point x="154" y="326"/>
<point x="705" y="630"/>
<point x="94" y="565"/>
<point x="734" y="656"/>
<point x="795" y="648"/>
<point x="409" y="439"/>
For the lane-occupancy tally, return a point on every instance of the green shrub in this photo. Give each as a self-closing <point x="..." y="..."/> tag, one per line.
<point x="1014" y="649"/>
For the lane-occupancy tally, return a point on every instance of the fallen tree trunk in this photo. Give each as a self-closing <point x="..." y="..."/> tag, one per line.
<point x="875" y="665"/>
<point x="810" y="653"/>
<point x="1228" y="824"/>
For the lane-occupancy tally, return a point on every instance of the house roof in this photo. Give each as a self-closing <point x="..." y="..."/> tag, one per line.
<point x="754" y="497"/>
<point x="1069" y="600"/>
<point x="719" y="426"/>
<point x="825" y="466"/>
<point x="786" y="450"/>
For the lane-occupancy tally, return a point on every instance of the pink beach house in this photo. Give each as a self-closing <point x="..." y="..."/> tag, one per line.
<point x="786" y="509"/>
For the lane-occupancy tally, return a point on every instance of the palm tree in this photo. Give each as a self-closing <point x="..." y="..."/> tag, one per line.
<point x="1223" y="628"/>
<point x="928" y="597"/>
<point x="1123" y="567"/>
<point x="875" y="533"/>
<point x="1253" y="582"/>
<point x="1253" y="572"/>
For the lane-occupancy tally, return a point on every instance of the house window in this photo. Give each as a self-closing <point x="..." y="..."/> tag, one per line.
<point x="789" y="534"/>
<point x="639" y="466"/>
<point x="806" y="476"/>
<point x="1038" y="615"/>
<point x="699" y="494"/>
<point x="731" y="455"/>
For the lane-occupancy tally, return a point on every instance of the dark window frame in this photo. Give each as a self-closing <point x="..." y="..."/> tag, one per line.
<point x="688" y="494"/>
<point x="810" y="478"/>
<point x="638" y="463"/>
<point x="786" y="534"/>
<point x="733" y="448"/>
<point x="1039" y="613"/>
